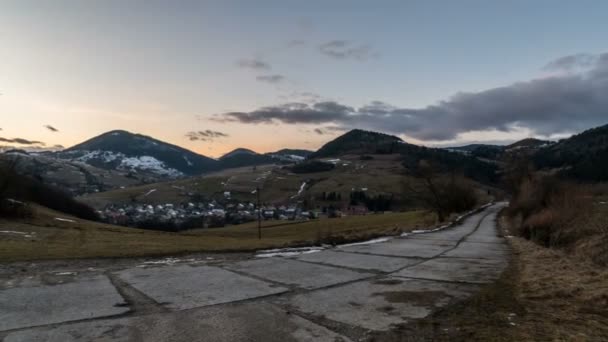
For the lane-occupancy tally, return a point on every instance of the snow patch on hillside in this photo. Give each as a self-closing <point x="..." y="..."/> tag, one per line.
<point x="148" y="163"/>
<point x="105" y="156"/>
<point x="302" y="187"/>
<point x="138" y="163"/>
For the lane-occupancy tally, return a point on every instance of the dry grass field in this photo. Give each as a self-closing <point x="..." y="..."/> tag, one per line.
<point x="45" y="237"/>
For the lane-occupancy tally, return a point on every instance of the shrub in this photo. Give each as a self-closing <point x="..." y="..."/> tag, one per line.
<point x="14" y="209"/>
<point x="552" y="212"/>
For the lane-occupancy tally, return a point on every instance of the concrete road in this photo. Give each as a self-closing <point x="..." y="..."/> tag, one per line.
<point x="340" y="294"/>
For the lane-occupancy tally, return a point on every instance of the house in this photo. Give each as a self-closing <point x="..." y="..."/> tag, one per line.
<point x="356" y="210"/>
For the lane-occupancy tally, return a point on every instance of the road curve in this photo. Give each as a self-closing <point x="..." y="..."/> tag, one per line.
<point x="332" y="295"/>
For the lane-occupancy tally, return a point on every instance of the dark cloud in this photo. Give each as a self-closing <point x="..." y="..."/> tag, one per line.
<point x="343" y="49"/>
<point x="207" y="135"/>
<point x="270" y="78"/>
<point x="51" y="128"/>
<point x="58" y="146"/>
<point x="22" y="141"/>
<point x="291" y="113"/>
<point x="560" y="104"/>
<point x="253" y="63"/>
<point x="330" y="130"/>
<point x="571" y="62"/>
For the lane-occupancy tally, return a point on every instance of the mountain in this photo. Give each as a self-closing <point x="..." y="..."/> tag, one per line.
<point x="358" y="142"/>
<point x="583" y="156"/>
<point x="125" y="151"/>
<point x="486" y="151"/>
<point x="528" y="143"/>
<point x="237" y="152"/>
<point x="472" y="147"/>
<point x="287" y="155"/>
<point x="241" y="157"/>
<point x="245" y="157"/>
<point x="71" y="176"/>
<point x="291" y="151"/>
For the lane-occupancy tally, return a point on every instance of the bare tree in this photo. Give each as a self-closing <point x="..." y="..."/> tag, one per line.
<point x="440" y="193"/>
<point x="8" y="168"/>
<point x="429" y="194"/>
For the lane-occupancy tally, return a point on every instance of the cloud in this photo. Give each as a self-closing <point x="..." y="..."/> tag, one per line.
<point x="270" y="78"/>
<point x="290" y="113"/>
<point x="301" y="96"/>
<point x="296" y="43"/>
<point x="330" y="130"/>
<point x="22" y="141"/>
<point x="253" y="63"/>
<point x="343" y="49"/>
<point x="207" y="135"/>
<point x="560" y="104"/>
<point x="571" y="62"/>
<point x="51" y="128"/>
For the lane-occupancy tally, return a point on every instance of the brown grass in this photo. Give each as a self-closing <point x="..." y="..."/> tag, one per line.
<point x="557" y="214"/>
<point x="52" y="239"/>
<point x="544" y="295"/>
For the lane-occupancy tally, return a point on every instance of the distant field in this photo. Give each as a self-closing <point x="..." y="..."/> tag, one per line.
<point x="44" y="237"/>
<point x="382" y="174"/>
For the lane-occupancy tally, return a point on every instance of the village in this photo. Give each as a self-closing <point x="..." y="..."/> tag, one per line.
<point x="215" y="214"/>
<point x="191" y="215"/>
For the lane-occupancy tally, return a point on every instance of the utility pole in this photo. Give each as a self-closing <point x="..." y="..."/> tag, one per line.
<point x="257" y="191"/>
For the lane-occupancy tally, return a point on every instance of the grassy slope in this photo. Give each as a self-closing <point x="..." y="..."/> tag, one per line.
<point x="54" y="239"/>
<point x="383" y="174"/>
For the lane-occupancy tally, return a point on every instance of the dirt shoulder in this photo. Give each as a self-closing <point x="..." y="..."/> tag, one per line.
<point x="544" y="295"/>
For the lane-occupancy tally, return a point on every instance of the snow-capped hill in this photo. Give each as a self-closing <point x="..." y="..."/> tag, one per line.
<point x="122" y="150"/>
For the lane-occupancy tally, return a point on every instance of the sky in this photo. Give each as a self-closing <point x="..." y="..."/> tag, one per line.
<point x="212" y="76"/>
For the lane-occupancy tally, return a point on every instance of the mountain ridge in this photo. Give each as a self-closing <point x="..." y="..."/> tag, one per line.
<point x="120" y="149"/>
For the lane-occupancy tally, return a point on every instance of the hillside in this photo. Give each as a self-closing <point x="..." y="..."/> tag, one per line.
<point x="243" y="157"/>
<point x="122" y="150"/>
<point x="528" y="143"/>
<point x="583" y="156"/>
<point x="365" y="143"/>
<point x="358" y="142"/>
<point x="72" y="176"/>
<point x="491" y="152"/>
<point x="293" y="152"/>
<point x="238" y="152"/>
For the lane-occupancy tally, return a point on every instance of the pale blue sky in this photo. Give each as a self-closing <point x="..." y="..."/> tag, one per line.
<point x="151" y="66"/>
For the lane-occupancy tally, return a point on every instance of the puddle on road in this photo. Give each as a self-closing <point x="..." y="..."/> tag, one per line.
<point x="417" y="298"/>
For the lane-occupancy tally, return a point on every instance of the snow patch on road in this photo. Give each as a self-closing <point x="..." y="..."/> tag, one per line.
<point x="287" y="252"/>
<point x="368" y="242"/>
<point x="166" y="261"/>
